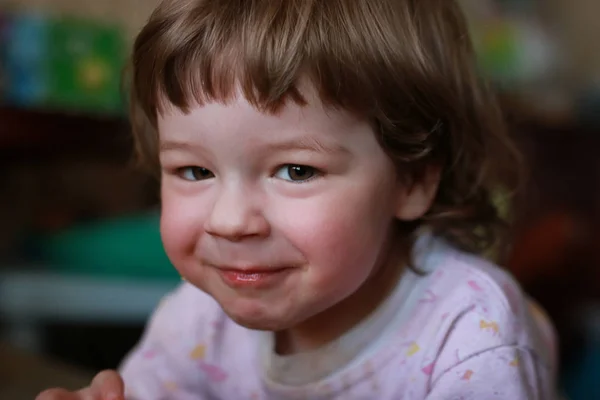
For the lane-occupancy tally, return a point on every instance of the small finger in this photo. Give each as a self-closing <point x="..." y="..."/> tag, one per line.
<point x="57" y="394"/>
<point x="87" y="394"/>
<point x="108" y="385"/>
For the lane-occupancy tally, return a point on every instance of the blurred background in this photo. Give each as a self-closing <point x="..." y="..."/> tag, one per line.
<point x="81" y="263"/>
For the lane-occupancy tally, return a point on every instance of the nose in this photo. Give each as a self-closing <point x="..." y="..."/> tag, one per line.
<point x="235" y="215"/>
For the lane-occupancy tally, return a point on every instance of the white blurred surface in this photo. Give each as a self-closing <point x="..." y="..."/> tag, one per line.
<point x="28" y="299"/>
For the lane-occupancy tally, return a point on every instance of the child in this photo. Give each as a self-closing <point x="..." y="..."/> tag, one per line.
<point x="326" y="168"/>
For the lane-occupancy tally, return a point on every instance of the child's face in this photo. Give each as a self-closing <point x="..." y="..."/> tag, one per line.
<point x="278" y="217"/>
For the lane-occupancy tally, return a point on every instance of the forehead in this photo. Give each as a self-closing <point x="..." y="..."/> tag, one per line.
<point x="238" y="117"/>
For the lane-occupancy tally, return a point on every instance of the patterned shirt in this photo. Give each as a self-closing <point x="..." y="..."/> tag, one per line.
<point x="459" y="328"/>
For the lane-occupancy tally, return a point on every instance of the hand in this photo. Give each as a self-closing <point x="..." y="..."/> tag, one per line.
<point x="107" y="385"/>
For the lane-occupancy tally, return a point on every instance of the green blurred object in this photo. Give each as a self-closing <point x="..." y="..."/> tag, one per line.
<point x="86" y="63"/>
<point x="128" y="247"/>
<point x="501" y="199"/>
<point x="498" y="49"/>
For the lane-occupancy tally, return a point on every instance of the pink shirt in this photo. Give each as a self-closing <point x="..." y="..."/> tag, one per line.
<point x="462" y="330"/>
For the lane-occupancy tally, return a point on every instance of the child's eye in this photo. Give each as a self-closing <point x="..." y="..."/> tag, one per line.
<point x="195" y="173"/>
<point x="296" y="173"/>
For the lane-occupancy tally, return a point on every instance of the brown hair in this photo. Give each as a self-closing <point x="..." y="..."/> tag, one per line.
<point x="406" y="65"/>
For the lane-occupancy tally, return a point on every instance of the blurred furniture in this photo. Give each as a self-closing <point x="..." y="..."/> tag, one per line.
<point x="43" y="133"/>
<point x="29" y="298"/>
<point x="555" y="253"/>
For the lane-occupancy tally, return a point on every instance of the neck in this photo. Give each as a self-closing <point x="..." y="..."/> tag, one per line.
<point x="333" y="323"/>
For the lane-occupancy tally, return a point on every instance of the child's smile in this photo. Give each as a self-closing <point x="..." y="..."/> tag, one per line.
<point x="253" y="277"/>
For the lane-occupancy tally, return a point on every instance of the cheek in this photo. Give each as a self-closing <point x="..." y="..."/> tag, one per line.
<point x="341" y="236"/>
<point x="180" y="225"/>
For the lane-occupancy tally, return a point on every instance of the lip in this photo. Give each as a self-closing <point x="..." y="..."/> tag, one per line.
<point x="255" y="278"/>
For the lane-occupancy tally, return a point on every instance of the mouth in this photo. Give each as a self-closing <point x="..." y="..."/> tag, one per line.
<point x="253" y="277"/>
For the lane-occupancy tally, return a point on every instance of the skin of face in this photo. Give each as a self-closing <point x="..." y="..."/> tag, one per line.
<point x="285" y="219"/>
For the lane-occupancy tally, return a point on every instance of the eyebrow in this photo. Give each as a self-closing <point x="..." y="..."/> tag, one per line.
<point x="174" y="146"/>
<point x="305" y="144"/>
<point x="310" y="144"/>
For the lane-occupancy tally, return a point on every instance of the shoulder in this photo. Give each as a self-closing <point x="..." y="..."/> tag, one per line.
<point x="468" y="281"/>
<point x="471" y="280"/>
<point x="186" y="311"/>
<point x="187" y="344"/>
<point x="192" y="318"/>
<point x="478" y="308"/>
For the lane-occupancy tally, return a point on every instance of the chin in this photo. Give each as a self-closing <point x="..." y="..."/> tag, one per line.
<point x="259" y="322"/>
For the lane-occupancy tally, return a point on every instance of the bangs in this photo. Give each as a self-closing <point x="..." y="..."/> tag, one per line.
<point x="217" y="50"/>
<point x="214" y="51"/>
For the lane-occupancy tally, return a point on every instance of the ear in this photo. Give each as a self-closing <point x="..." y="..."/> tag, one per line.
<point x="416" y="197"/>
